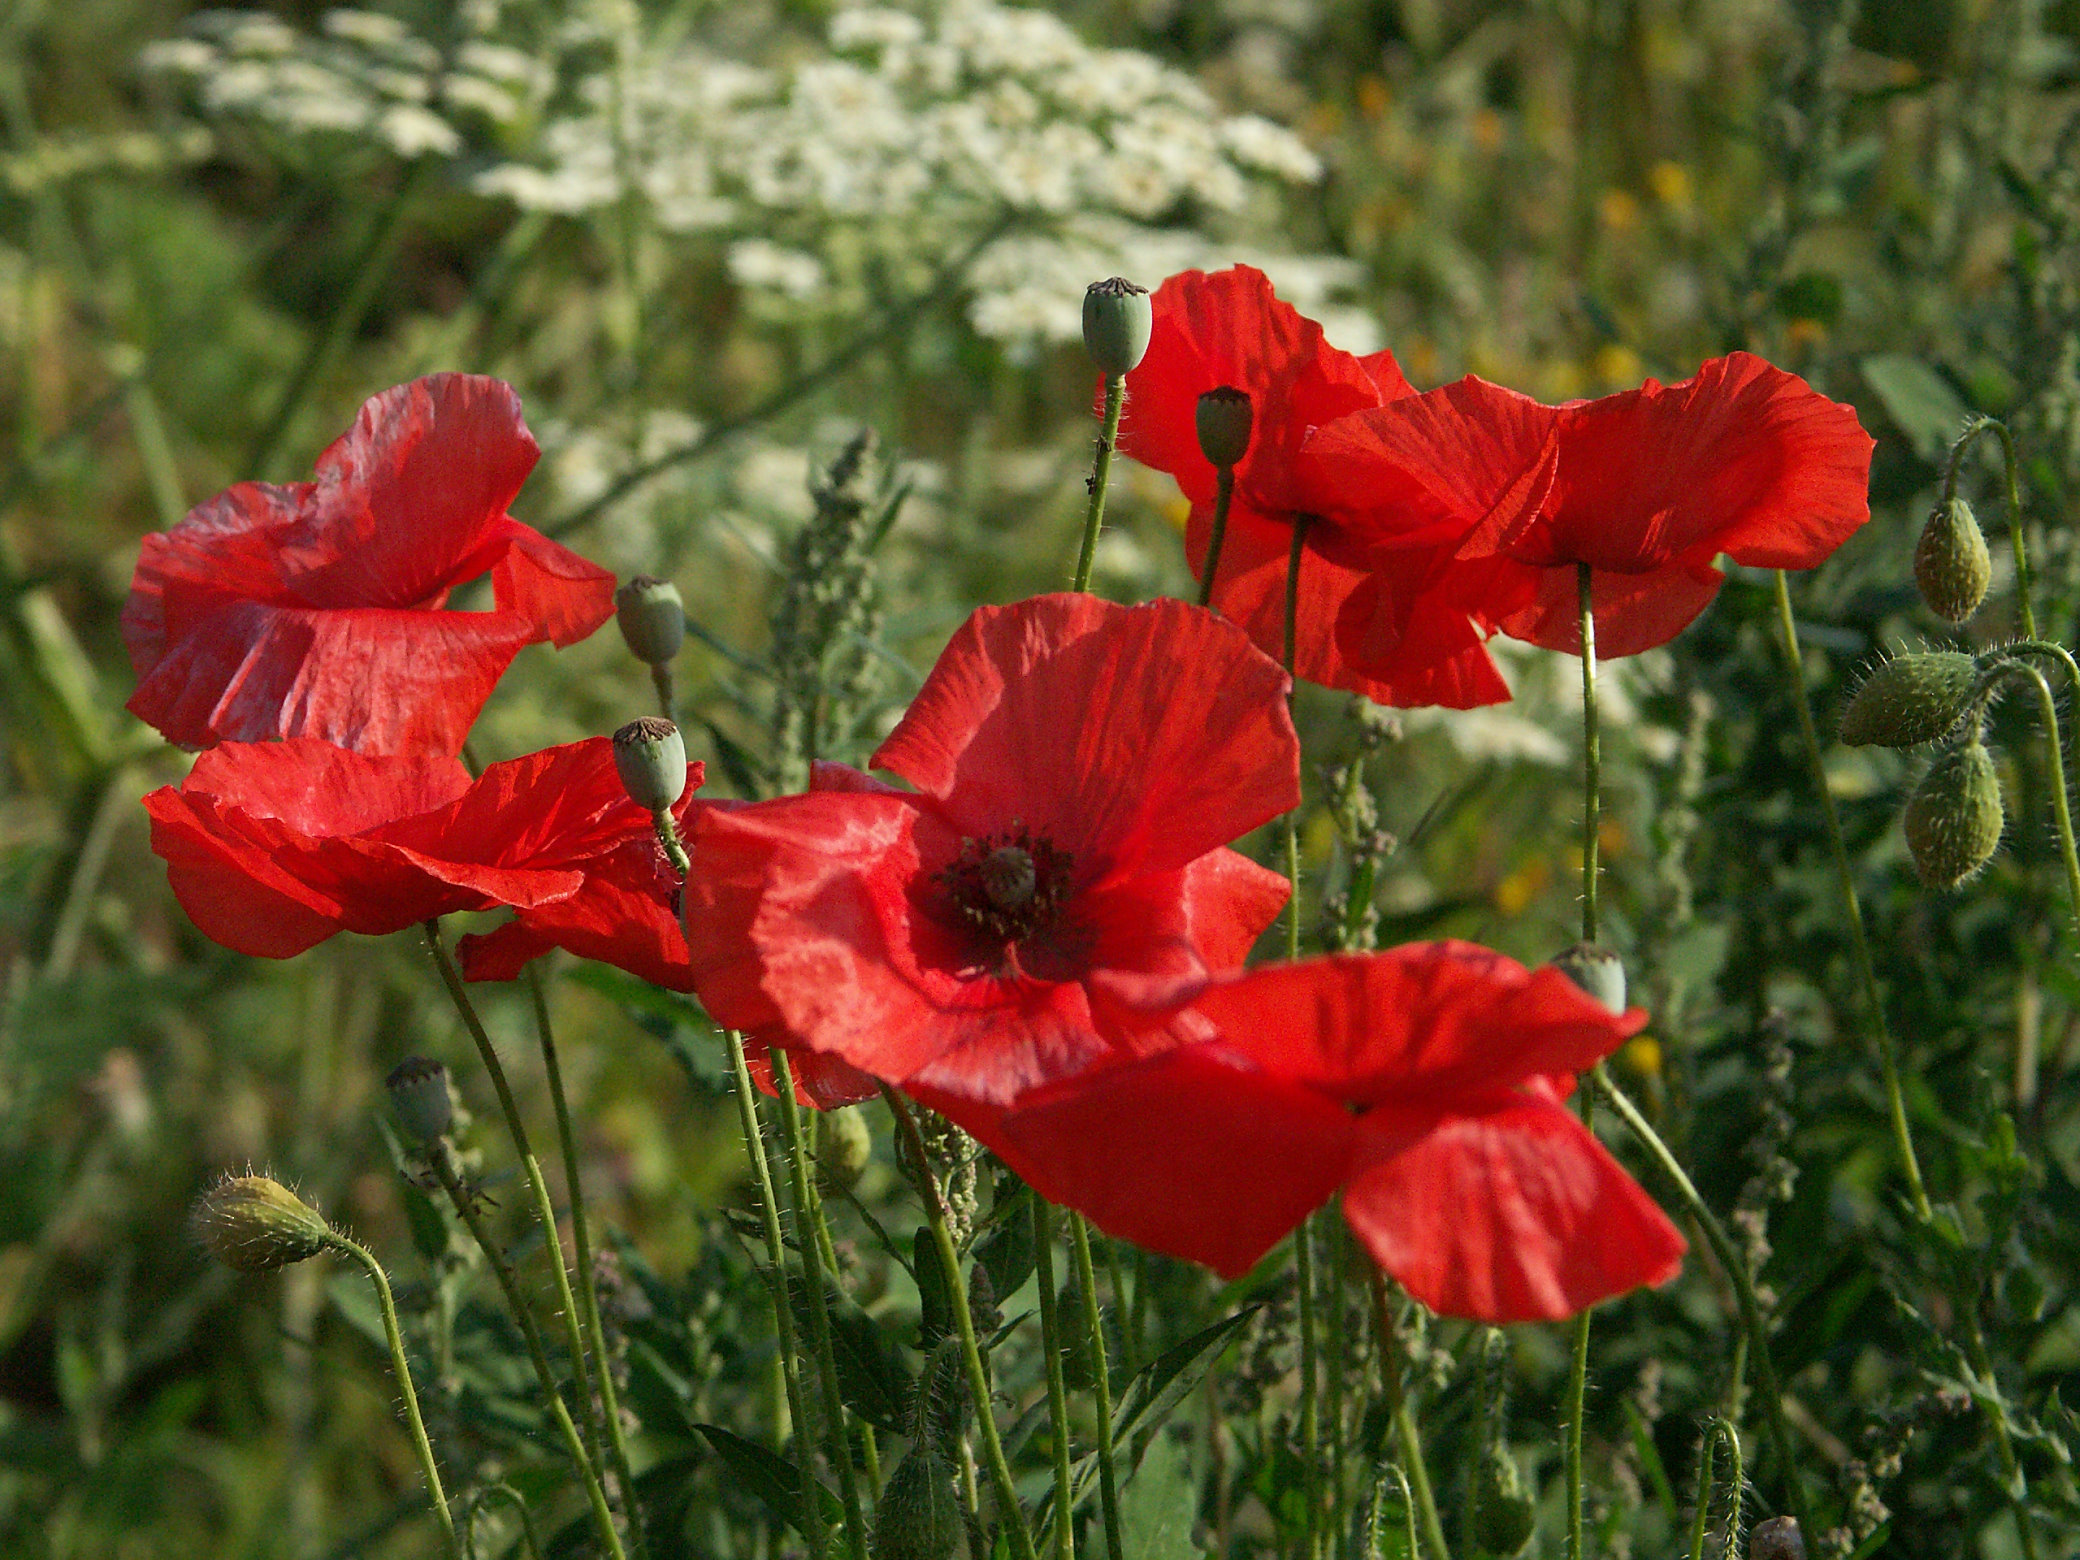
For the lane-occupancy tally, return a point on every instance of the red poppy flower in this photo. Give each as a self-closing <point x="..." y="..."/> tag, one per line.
<point x="1425" y="1082"/>
<point x="273" y="847"/>
<point x="310" y="610"/>
<point x="1230" y="329"/>
<point x="1078" y="767"/>
<point x="1647" y="488"/>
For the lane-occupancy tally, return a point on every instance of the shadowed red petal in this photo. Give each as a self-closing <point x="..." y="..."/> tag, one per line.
<point x="821" y="1082"/>
<point x="1186" y="1153"/>
<point x="1634" y="612"/>
<point x="1511" y="1214"/>
<point x="1405" y="626"/>
<point x="1136" y="738"/>
<point x="1419" y="1023"/>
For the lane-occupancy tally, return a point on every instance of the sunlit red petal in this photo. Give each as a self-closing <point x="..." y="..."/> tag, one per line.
<point x="1511" y="1214"/>
<point x="1136" y="738"/>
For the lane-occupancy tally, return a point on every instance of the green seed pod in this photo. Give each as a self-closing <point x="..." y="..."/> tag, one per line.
<point x="652" y="619"/>
<point x="420" y="1098"/>
<point x="1911" y="699"/>
<point x="1117" y="317"/>
<point x="256" y="1224"/>
<point x="1504" y="1513"/>
<point x="651" y="756"/>
<point x="1777" y="1539"/>
<point x="1225" y="419"/>
<point x="1597" y="970"/>
<point x="1951" y="563"/>
<point x="1953" y="820"/>
<point x="844" y="1144"/>
<point x="919" y="1514"/>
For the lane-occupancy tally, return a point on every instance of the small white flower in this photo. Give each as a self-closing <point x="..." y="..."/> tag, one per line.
<point x="874" y="27"/>
<point x="367" y="27"/>
<point x="765" y="266"/>
<point x="179" y="56"/>
<point x="413" y="131"/>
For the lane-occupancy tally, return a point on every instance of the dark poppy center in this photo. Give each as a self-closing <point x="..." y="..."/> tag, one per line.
<point x="1009" y="887"/>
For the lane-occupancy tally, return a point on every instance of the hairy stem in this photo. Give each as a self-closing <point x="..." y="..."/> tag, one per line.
<point x="1101" y="477"/>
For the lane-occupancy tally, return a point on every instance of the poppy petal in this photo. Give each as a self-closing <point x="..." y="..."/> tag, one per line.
<point x="1634" y="612"/>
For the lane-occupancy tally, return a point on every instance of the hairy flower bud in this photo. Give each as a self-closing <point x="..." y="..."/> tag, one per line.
<point x="1951" y="563"/>
<point x="652" y="619"/>
<point x="1953" y="820"/>
<point x="1597" y="970"/>
<point x="1911" y="699"/>
<point x="1117" y="317"/>
<point x="256" y="1224"/>
<point x="1225" y="419"/>
<point x="1504" y="1513"/>
<point x="844" y="1144"/>
<point x="919" y="1514"/>
<point x="420" y="1099"/>
<point x="651" y="756"/>
<point x="1777" y="1539"/>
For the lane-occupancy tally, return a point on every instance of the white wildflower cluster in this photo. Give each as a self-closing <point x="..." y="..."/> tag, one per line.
<point x="362" y="75"/>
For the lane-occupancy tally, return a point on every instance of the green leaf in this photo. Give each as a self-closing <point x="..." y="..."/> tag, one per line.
<point x="772" y="1478"/>
<point x="1919" y="401"/>
<point x="1163" y="1383"/>
<point x="1006" y="1253"/>
<point x="872" y="1380"/>
<point x="1160" y="1504"/>
<point x="935" y="1320"/>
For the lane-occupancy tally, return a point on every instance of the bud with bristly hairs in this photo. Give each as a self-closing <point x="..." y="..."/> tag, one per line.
<point x="1954" y="818"/>
<point x="1911" y="699"/>
<point x="1951" y="563"/>
<point x="257" y="1225"/>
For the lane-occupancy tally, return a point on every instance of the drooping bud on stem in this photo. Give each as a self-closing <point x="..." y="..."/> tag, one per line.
<point x="1117" y="318"/>
<point x="1225" y="419"/>
<point x="420" y="1099"/>
<point x="652" y="618"/>
<point x="1951" y="563"/>
<point x="1911" y="699"/>
<point x="844" y="1145"/>
<point x="257" y="1225"/>
<point x="1504" y="1513"/>
<point x="1954" y="818"/>
<point x="1597" y="970"/>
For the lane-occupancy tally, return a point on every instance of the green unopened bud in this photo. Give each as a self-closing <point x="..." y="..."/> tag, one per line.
<point x="1953" y="821"/>
<point x="1951" y="563"/>
<point x="651" y="756"/>
<point x="844" y="1144"/>
<point x="256" y="1224"/>
<point x="1117" y="317"/>
<point x="1777" y="1539"/>
<point x="1597" y="970"/>
<point x="420" y="1099"/>
<point x="1504" y="1513"/>
<point x="1911" y="699"/>
<point x="919" y="1514"/>
<point x="1225" y="418"/>
<point x="652" y="619"/>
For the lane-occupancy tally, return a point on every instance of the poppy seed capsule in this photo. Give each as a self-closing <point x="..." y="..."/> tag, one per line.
<point x="1953" y="821"/>
<point x="256" y="1224"/>
<point x="919" y="1514"/>
<point x="1951" y="563"/>
<point x="1117" y="317"/>
<point x="651" y="756"/>
<point x="1597" y="970"/>
<point x="1225" y="419"/>
<point x="652" y="618"/>
<point x="420" y="1099"/>
<point x="1911" y="699"/>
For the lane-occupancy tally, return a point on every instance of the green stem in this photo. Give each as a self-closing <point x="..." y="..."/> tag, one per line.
<point x="667" y="695"/>
<point x="1852" y="909"/>
<point x="545" y="1210"/>
<point x="1413" y="1467"/>
<point x="1715" y="1431"/>
<point x="530" y="1541"/>
<point x="1101" y="476"/>
<point x="1292" y="643"/>
<point x="783" y="1309"/>
<point x="1101" y="1384"/>
<point x="808" y="1215"/>
<point x="1310" y="1405"/>
<point x="1338" y="1347"/>
<point x="581" y="1243"/>
<point x="1577" y="1397"/>
<point x="1743" y="1288"/>
<point x="668" y="838"/>
<point x="1011" y="1514"/>
<point x="2004" y="1446"/>
<point x="2024" y="583"/>
<point x="1223" y="495"/>
<point x="1053" y="1343"/>
<point x="2061" y="804"/>
<point x="403" y="1371"/>
<point x="581" y="1453"/>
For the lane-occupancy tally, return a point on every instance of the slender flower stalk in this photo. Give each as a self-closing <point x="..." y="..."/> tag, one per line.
<point x="2024" y="582"/>
<point x="1101" y="1384"/>
<point x="783" y="1310"/>
<point x="1010" y="1514"/>
<point x="545" y="1209"/>
<point x="1052" y="1344"/>
<point x="1223" y="496"/>
<point x="1412" y="1465"/>
<point x="1292" y="822"/>
<point x="1310" y="1395"/>
<point x="808" y="1215"/>
<point x="530" y="1541"/>
<point x="1737" y="1273"/>
<point x="1592" y="828"/>
<point x="1716" y="1432"/>
<point x="1852" y="909"/>
<point x="402" y="1370"/>
<point x="581" y="1451"/>
<point x="581" y="1243"/>
<point x="1101" y="477"/>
